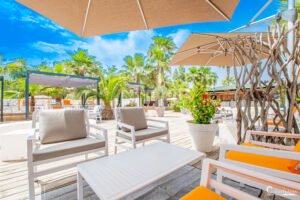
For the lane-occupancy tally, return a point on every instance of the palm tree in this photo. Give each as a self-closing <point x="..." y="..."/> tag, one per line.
<point x="135" y="66"/>
<point x="16" y="69"/>
<point x="179" y="74"/>
<point x="110" y="86"/>
<point x="202" y="75"/>
<point x="178" y="88"/>
<point x="227" y="70"/>
<point x="160" y="53"/>
<point x="228" y="81"/>
<point x="18" y="92"/>
<point x="2" y="68"/>
<point x="82" y="64"/>
<point x="160" y="93"/>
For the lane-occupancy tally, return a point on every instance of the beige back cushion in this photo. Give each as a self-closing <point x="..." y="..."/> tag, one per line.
<point x="61" y="125"/>
<point x="134" y="117"/>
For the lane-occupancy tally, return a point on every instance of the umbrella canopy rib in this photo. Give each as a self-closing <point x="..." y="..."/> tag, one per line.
<point x="86" y="17"/>
<point x="142" y="14"/>
<point x="218" y="10"/>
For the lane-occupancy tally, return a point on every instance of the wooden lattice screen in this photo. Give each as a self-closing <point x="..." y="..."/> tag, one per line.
<point x="266" y="92"/>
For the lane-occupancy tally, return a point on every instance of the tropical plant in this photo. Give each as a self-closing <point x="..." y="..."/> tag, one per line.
<point x="201" y="105"/>
<point x="160" y="53"/>
<point x="84" y="94"/>
<point x="202" y="75"/>
<point x="110" y="86"/>
<point x="160" y="94"/>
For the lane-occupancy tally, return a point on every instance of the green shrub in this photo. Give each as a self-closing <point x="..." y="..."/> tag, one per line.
<point x="131" y="104"/>
<point x="176" y="106"/>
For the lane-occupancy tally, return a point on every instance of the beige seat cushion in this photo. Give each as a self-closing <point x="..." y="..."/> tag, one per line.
<point x="48" y="151"/>
<point x="61" y="125"/>
<point x="134" y="117"/>
<point x="148" y="133"/>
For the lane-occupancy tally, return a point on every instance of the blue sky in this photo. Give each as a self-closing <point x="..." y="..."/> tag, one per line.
<point x="26" y="34"/>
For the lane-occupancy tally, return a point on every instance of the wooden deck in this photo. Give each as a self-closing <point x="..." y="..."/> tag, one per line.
<point x="62" y="185"/>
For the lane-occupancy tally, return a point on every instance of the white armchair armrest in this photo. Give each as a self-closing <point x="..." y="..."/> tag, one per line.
<point x="123" y="125"/>
<point x="165" y="123"/>
<point x="103" y="131"/>
<point x="260" y="151"/>
<point x="130" y="134"/>
<point x="31" y="142"/>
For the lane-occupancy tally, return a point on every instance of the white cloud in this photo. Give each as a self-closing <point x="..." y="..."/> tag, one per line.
<point x="18" y="13"/>
<point x="179" y="37"/>
<point x="109" y="51"/>
<point x="50" y="48"/>
<point x="113" y="51"/>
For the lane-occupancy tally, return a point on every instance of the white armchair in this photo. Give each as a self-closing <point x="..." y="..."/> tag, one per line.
<point x="133" y="128"/>
<point x="61" y="134"/>
<point x="263" y="157"/>
<point x="210" y="188"/>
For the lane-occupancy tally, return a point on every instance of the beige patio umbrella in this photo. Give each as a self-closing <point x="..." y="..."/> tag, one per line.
<point x="213" y="50"/>
<point x="95" y="17"/>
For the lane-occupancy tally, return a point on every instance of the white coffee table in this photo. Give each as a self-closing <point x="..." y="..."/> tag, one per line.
<point x="118" y="176"/>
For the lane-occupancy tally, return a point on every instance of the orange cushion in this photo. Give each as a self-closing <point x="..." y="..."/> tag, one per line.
<point x="271" y="123"/>
<point x="260" y="160"/>
<point x="57" y="107"/>
<point x="67" y="102"/>
<point x="202" y="193"/>
<point x="294" y="164"/>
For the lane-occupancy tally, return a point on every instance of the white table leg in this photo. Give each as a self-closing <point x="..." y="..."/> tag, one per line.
<point x="79" y="186"/>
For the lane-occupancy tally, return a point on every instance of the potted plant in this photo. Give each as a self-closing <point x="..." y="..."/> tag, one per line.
<point x="202" y="108"/>
<point x="160" y="94"/>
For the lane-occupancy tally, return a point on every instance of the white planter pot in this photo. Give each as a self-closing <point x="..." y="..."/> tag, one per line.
<point x="203" y="135"/>
<point x="160" y="111"/>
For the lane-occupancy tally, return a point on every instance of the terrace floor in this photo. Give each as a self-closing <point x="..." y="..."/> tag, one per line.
<point x="62" y="185"/>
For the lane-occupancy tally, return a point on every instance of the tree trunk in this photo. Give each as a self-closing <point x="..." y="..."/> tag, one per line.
<point x="107" y="113"/>
<point x="138" y="90"/>
<point x="32" y="104"/>
<point x="19" y="104"/>
<point x="159" y="76"/>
